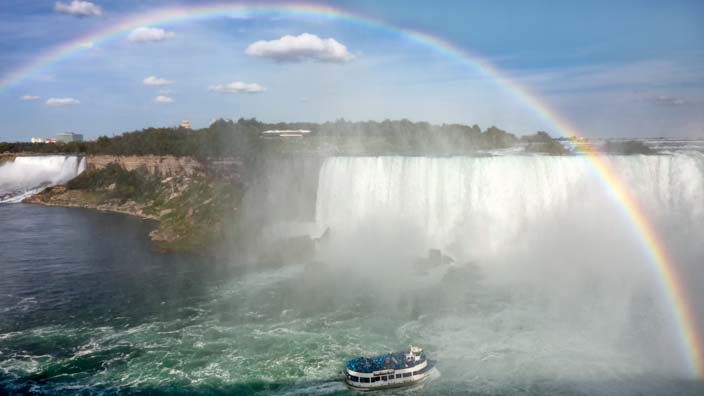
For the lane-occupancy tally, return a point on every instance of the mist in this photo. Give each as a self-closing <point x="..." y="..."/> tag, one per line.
<point x="24" y="176"/>
<point x="542" y="277"/>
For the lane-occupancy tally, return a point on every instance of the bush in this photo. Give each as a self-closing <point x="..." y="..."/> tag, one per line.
<point x="629" y="147"/>
<point x="137" y="184"/>
<point x="552" y="148"/>
<point x="225" y="138"/>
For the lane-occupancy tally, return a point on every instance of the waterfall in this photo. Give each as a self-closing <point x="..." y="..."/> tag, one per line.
<point x="546" y="231"/>
<point x="279" y="200"/>
<point x="494" y="200"/>
<point x="28" y="175"/>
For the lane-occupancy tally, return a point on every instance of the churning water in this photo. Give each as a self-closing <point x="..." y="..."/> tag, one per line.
<point x="549" y="290"/>
<point x="25" y="176"/>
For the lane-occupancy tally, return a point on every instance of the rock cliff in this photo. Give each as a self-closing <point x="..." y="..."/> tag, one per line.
<point x="162" y="165"/>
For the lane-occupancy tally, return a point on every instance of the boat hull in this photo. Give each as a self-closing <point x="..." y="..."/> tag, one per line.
<point x="392" y="384"/>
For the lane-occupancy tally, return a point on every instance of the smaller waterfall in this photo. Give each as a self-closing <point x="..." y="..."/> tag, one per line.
<point x="28" y="175"/>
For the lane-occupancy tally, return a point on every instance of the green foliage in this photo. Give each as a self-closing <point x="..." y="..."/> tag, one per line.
<point x="542" y="142"/>
<point x="552" y="147"/>
<point x="224" y="138"/>
<point x="200" y="215"/>
<point x="94" y="180"/>
<point x="539" y="137"/>
<point x="118" y="183"/>
<point x="628" y="147"/>
<point x="44" y="148"/>
<point x="221" y="139"/>
<point x="242" y="139"/>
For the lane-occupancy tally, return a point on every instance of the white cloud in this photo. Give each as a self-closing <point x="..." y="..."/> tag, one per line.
<point x="300" y="48"/>
<point x="62" y="101"/>
<point x="86" y="44"/>
<point x="29" y="97"/>
<point x="78" y="8"/>
<point x="238" y="87"/>
<point x="147" y="34"/>
<point x="156" y="81"/>
<point x="163" y="99"/>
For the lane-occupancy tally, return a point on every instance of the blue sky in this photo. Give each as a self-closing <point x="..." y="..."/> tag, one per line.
<point x="621" y="69"/>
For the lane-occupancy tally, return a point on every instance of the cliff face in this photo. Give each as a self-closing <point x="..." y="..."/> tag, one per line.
<point x="161" y="165"/>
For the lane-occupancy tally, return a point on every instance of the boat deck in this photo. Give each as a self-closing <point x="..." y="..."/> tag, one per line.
<point x="395" y="361"/>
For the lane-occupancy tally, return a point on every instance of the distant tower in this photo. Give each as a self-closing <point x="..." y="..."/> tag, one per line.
<point x="185" y="124"/>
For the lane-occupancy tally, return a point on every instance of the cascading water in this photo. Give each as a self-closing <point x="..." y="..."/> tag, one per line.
<point x="27" y="175"/>
<point x="280" y="198"/>
<point x="566" y="283"/>
<point x="495" y="200"/>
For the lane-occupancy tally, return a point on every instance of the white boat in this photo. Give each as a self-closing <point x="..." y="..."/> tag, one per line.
<point x="392" y="370"/>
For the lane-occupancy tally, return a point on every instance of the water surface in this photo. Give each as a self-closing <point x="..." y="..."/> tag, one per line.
<point x="87" y="307"/>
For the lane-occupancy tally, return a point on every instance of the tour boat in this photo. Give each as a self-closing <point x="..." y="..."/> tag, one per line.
<point x="392" y="370"/>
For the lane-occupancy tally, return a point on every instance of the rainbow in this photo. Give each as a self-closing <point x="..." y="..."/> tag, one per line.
<point x="651" y="243"/>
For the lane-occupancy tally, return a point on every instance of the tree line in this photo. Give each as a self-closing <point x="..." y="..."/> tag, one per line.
<point x="241" y="138"/>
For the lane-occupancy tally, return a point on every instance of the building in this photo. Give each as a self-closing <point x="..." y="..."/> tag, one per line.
<point x="185" y="124"/>
<point x="285" y="133"/>
<point x="69" y="137"/>
<point x="42" y="140"/>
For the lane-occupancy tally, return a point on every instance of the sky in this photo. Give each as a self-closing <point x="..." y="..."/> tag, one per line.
<point x="610" y="69"/>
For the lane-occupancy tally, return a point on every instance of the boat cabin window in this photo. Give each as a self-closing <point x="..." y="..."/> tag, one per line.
<point x="406" y="375"/>
<point x="375" y="379"/>
<point x="365" y="380"/>
<point x="383" y="378"/>
<point x="354" y="379"/>
<point x="399" y="375"/>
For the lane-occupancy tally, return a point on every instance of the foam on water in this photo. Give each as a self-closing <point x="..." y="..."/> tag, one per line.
<point x="494" y="348"/>
<point x="26" y="176"/>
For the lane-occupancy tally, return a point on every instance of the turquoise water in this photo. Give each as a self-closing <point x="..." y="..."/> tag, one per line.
<point x="87" y="307"/>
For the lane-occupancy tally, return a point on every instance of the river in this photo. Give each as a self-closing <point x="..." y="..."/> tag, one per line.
<point x="88" y="307"/>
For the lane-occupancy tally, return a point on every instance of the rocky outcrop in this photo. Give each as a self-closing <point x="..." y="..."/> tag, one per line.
<point x="6" y="158"/>
<point x="162" y="165"/>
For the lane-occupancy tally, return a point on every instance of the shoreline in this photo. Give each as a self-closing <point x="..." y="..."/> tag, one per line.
<point x="96" y="208"/>
<point x="155" y="237"/>
<point x="52" y="197"/>
<point x="189" y="210"/>
<point x="60" y="196"/>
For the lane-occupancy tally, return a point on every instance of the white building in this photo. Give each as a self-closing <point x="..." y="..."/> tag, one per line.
<point x="285" y="133"/>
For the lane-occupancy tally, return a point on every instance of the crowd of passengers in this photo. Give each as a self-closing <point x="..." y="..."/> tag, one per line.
<point x="394" y="361"/>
